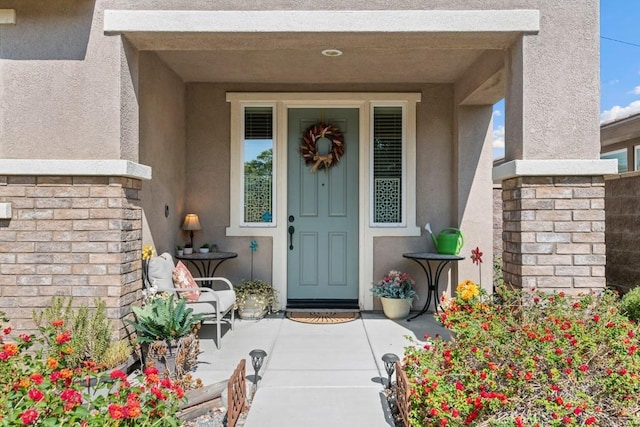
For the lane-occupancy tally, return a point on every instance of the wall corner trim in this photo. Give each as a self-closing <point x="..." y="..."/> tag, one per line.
<point x="60" y="167"/>
<point x="7" y="16"/>
<point x="561" y="167"/>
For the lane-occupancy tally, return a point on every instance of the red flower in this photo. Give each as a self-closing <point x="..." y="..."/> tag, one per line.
<point x="578" y="410"/>
<point x="584" y="368"/>
<point x="459" y="385"/>
<point x="476" y="256"/>
<point x="117" y="374"/>
<point x="116" y="411"/>
<point x="63" y="337"/>
<point x="519" y="422"/>
<point x="58" y="323"/>
<point x="29" y="416"/>
<point x="590" y="420"/>
<point x="7" y="330"/>
<point x="36" y="378"/>
<point x="25" y="337"/>
<point x="596" y="318"/>
<point x="36" y="395"/>
<point x="434" y="412"/>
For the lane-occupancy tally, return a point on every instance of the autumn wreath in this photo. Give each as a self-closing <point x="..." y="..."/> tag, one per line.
<point x="309" y="147"/>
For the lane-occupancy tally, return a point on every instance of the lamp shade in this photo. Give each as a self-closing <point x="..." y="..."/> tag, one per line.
<point x="191" y="222"/>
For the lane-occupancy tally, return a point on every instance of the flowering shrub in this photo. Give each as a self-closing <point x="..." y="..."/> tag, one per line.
<point x="535" y="359"/>
<point x="37" y="387"/>
<point x="396" y="284"/>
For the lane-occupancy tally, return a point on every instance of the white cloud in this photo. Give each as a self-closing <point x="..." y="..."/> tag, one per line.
<point x="497" y="113"/>
<point x="498" y="137"/>
<point x="636" y="90"/>
<point x="614" y="82"/>
<point x="618" y="112"/>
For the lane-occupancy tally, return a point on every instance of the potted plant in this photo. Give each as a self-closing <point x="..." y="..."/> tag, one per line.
<point x="205" y="248"/>
<point x="180" y="250"/>
<point x="166" y="331"/>
<point x="396" y="294"/>
<point x="254" y="298"/>
<point x="188" y="249"/>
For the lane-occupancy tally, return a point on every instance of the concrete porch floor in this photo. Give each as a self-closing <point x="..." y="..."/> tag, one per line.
<point x="314" y="375"/>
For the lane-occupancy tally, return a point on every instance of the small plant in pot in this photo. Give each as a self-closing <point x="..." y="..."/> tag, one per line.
<point x="167" y="332"/>
<point x="255" y="298"/>
<point x="188" y="249"/>
<point x="179" y="250"/>
<point x="205" y="248"/>
<point x="396" y="294"/>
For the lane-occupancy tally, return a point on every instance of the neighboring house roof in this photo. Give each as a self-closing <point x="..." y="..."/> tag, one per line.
<point x="620" y="130"/>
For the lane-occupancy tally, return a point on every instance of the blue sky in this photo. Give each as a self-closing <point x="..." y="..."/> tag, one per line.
<point x="619" y="66"/>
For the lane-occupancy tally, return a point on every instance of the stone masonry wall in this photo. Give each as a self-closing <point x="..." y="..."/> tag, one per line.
<point x="69" y="236"/>
<point x="554" y="233"/>
<point x="623" y="231"/>
<point x="497" y="221"/>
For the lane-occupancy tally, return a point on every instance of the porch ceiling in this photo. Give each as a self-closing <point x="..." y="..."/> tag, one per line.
<point x="285" y="46"/>
<point x="297" y="58"/>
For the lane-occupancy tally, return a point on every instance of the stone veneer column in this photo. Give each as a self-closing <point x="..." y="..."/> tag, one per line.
<point x="553" y="232"/>
<point x="76" y="236"/>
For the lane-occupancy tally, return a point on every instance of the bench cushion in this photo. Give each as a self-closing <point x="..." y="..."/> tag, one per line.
<point x="161" y="272"/>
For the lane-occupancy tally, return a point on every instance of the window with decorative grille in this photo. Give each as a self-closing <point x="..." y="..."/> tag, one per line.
<point x="258" y="164"/>
<point x="387" y="164"/>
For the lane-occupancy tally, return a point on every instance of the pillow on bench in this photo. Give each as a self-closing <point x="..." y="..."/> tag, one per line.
<point x="182" y="279"/>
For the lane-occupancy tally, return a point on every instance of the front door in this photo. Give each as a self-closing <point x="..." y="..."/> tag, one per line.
<point x="323" y="211"/>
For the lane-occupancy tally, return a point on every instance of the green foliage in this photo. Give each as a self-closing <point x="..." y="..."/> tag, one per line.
<point x="498" y="275"/>
<point x="91" y="329"/>
<point x="396" y="284"/>
<point x="631" y="304"/>
<point x="38" y="386"/>
<point x="117" y="352"/>
<point x="163" y="319"/>
<point x="265" y="293"/>
<point x="542" y="358"/>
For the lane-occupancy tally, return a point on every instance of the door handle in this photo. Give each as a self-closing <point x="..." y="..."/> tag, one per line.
<point x="291" y="231"/>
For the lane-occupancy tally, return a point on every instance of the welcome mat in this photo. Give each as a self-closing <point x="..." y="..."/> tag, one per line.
<point x="323" y="317"/>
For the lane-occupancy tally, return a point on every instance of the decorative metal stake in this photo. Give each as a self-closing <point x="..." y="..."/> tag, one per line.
<point x="389" y="360"/>
<point x="257" y="358"/>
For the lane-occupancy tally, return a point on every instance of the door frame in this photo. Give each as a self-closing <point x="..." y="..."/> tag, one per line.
<point x="367" y="232"/>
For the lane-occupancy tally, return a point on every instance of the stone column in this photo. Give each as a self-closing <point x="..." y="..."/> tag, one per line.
<point x="554" y="232"/>
<point x="74" y="236"/>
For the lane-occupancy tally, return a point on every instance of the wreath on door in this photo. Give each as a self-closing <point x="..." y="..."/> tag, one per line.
<point x="309" y="147"/>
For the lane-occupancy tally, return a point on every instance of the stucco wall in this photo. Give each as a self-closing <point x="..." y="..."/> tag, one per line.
<point x="163" y="147"/>
<point x="59" y="83"/>
<point x="621" y="234"/>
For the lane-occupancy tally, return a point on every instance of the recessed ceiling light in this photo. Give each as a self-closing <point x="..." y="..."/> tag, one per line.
<point x="332" y="52"/>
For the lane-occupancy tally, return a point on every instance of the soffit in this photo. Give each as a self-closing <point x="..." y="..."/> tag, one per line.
<point x="410" y="46"/>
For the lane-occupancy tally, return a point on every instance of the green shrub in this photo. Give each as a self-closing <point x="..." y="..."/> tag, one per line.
<point x="163" y="320"/>
<point x="631" y="304"/>
<point x="535" y="359"/>
<point x="91" y="329"/>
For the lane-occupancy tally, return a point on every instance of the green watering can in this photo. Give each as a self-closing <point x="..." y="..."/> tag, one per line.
<point x="448" y="242"/>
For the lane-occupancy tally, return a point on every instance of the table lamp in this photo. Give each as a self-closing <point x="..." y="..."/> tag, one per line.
<point x="191" y="223"/>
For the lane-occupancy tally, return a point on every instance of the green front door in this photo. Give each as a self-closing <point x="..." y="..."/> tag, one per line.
<point x="323" y="211"/>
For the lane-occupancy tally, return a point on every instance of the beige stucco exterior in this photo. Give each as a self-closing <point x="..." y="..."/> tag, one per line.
<point x="90" y="80"/>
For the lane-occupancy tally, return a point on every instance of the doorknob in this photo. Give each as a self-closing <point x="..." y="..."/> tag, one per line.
<point x="291" y="231"/>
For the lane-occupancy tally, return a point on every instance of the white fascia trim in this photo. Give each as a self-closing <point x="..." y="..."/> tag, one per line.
<point x="321" y="21"/>
<point x="7" y="16"/>
<point x="40" y="167"/>
<point x="567" y="167"/>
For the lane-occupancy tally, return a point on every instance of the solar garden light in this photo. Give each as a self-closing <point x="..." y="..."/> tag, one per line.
<point x="257" y="358"/>
<point x="390" y="360"/>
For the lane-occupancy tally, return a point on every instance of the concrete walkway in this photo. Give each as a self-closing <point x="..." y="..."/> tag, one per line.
<point x="314" y="375"/>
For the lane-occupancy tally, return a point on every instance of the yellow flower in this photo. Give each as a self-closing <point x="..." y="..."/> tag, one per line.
<point x="148" y="251"/>
<point x="467" y="290"/>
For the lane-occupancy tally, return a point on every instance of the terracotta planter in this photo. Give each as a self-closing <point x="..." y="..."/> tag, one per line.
<point x="396" y="308"/>
<point x="252" y="309"/>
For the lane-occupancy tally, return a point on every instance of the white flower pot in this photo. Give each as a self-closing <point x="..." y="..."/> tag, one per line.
<point x="252" y="309"/>
<point x="396" y="308"/>
<point x="188" y="251"/>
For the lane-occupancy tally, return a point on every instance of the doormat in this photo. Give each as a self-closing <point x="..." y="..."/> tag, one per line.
<point x="322" y="317"/>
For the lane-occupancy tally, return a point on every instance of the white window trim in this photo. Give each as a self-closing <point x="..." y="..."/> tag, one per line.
<point x="277" y="230"/>
<point x="274" y="186"/>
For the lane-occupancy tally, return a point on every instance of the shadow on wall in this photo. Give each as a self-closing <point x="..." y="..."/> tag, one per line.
<point x="55" y="29"/>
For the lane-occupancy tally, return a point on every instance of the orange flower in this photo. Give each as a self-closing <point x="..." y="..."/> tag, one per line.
<point x="52" y="363"/>
<point x="10" y="348"/>
<point x="58" y="323"/>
